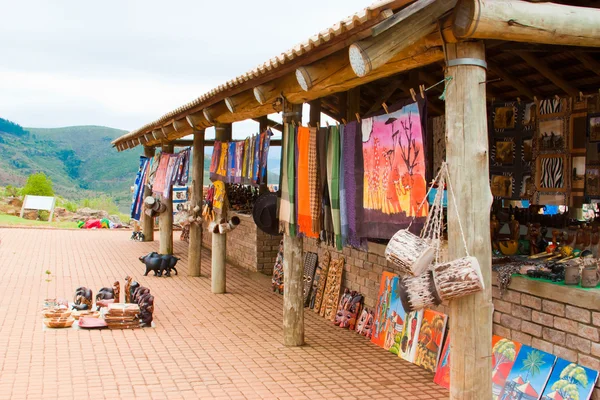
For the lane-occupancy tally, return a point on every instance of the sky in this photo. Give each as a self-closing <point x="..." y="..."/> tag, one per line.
<point x="125" y="63"/>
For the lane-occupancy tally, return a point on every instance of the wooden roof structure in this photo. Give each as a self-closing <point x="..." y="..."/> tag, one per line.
<point x="515" y="70"/>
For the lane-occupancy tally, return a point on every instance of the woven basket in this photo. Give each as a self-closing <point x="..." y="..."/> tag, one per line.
<point x="410" y="253"/>
<point x="59" y="322"/>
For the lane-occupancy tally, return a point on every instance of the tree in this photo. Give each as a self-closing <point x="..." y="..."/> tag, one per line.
<point x="533" y="363"/>
<point x="504" y="351"/>
<point x="570" y="377"/>
<point x="38" y="185"/>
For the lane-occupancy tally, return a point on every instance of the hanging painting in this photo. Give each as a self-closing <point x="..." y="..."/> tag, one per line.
<point x="553" y="106"/>
<point x="502" y="185"/>
<point x="504" y="354"/>
<point x="504" y="116"/>
<point x="383" y="308"/>
<point x="393" y="152"/>
<point x="529" y="116"/>
<point x="551" y="137"/>
<point x="570" y="381"/>
<point x="410" y="335"/>
<point x="578" y="173"/>
<point x="442" y="374"/>
<point x="593" y="126"/>
<point x="592" y="181"/>
<point x="431" y="336"/>
<point x="528" y="376"/>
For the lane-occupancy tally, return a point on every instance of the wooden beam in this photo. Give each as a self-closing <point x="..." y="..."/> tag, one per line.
<point x="353" y="104"/>
<point x="241" y="101"/>
<point x="467" y="155"/>
<point x="167" y="130"/>
<point x="198" y="121"/>
<point x="384" y="95"/>
<point x="326" y="83"/>
<point x="270" y="92"/>
<point x="166" y="218"/>
<point x="315" y="113"/>
<point x="520" y="86"/>
<point x="197" y="170"/>
<point x="215" y="111"/>
<point x="271" y="124"/>
<point x="412" y="24"/>
<point x="588" y="61"/>
<point x="522" y="21"/>
<point x="182" y="126"/>
<point x="546" y="71"/>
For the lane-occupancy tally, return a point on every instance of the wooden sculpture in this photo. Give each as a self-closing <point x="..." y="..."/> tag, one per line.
<point x="332" y="288"/>
<point x="324" y="263"/>
<point x="117" y="291"/>
<point x="457" y="278"/>
<point x="515" y="228"/>
<point x="127" y="289"/>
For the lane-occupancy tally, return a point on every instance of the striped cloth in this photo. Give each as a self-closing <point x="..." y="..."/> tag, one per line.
<point x="314" y="186"/>
<point x="352" y="167"/>
<point x="333" y="178"/>
<point x="287" y="220"/>
<point x="303" y="197"/>
<point x="343" y="211"/>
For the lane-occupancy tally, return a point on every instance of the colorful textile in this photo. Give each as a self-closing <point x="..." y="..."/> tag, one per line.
<point x="325" y="217"/>
<point x="304" y="209"/>
<point x="153" y="167"/>
<point x="220" y="196"/>
<point x="256" y="159"/>
<point x="250" y="159"/>
<point x="230" y="162"/>
<point x="221" y="173"/>
<point x="352" y="167"/>
<point x="182" y="167"/>
<point x="239" y="157"/>
<point x="214" y="161"/>
<point x="313" y="182"/>
<point x="343" y="211"/>
<point x="245" y="160"/>
<point x="138" y="189"/>
<point x="166" y="193"/>
<point x="333" y="178"/>
<point x="161" y="174"/>
<point x="394" y="172"/>
<point x="265" y="156"/>
<point x="287" y="216"/>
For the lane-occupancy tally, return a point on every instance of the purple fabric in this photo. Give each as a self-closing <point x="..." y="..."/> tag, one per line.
<point x="353" y="171"/>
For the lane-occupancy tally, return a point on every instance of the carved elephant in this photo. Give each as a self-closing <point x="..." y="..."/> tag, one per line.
<point x="82" y="299"/>
<point x="105" y="293"/>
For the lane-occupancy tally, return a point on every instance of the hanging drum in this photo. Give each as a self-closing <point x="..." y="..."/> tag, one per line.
<point x="457" y="278"/>
<point x="418" y="292"/>
<point x="410" y="253"/>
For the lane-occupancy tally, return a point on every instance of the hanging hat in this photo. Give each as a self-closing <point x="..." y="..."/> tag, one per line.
<point x="264" y="213"/>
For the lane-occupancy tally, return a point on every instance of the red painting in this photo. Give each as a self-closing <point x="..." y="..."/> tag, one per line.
<point x="442" y="374"/>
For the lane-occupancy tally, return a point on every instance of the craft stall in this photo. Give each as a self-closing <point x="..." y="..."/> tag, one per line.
<point x="476" y="105"/>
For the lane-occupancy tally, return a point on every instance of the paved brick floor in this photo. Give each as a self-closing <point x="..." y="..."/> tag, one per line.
<point x="204" y="346"/>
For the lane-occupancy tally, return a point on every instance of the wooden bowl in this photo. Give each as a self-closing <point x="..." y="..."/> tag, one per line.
<point x="55" y="313"/>
<point x="85" y="313"/>
<point x="59" y="322"/>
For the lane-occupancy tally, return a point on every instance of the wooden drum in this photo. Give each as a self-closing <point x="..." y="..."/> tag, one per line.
<point x="457" y="278"/>
<point x="410" y="253"/>
<point x="418" y="292"/>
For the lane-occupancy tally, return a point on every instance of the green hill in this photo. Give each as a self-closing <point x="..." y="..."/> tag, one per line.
<point x="80" y="160"/>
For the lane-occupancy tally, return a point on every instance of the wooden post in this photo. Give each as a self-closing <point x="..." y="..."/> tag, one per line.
<point x="195" y="247"/>
<point x="147" y="221"/>
<point x="293" y="282"/>
<point x="219" y="241"/>
<point x="467" y="156"/>
<point x="315" y="113"/>
<point x="165" y="219"/>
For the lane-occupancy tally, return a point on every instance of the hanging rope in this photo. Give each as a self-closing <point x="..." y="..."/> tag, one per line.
<point x="447" y="80"/>
<point x="462" y="233"/>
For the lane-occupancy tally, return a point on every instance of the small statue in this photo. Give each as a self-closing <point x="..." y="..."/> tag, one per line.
<point x="494" y="229"/>
<point x="117" y="291"/>
<point x="533" y="235"/>
<point x="82" y="299"/>
<point x="134" y="286"/>
<point x="127" y="289"/>
<point x="146" y="304"/>
<point x="105" y="293"/>
<point x="515" y="229"/>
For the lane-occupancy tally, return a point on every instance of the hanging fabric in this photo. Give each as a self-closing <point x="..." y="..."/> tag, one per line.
<point x="221" y="173"/>
<point x="343" y="211"/>
<point x="245" y="160"/>
<point x="214" y="161"/>
<point x="333" y="178"/>
<point x="161" y="174"/>
<point x="265" y="157"/>
<point x="314" y="182"/>
<point x="230" y="162"/>
<point x="182" y="162"/>
<point x="239" y="157"/>
<point x="326" y="233"/>
<point x="352" y="167"/>
<point x="138" y="189"/>
<point x="304" y="206"/>
<point x="287" y="215"/>
<point x="166" y="193"/>
<point x="394" y="171"/>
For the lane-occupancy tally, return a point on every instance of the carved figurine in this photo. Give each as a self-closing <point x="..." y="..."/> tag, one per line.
<point x="533" y="235"/>
<point x="105" y="293"/>
<point x="159" y="263"/>
<point x="82" y="299"/>
<point x="515" y="228"/>
<point x="494" y="229"/>
<point x="132" y="288"/>
<point x="117" y="291"/>
<point x="127" y="289"/>
<point x="146" y="309"/>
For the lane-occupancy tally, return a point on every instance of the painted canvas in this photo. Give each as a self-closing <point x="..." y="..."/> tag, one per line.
<point x="551" y="135"/>
<point x="394" y="172"/>
<point x="442" y="374"/>
<point x="383" y="308"/>
<point x="528" y="376"/>
<point x="431" y="335"/>
<point x="570" y="381"/>
<point x="504" y="354"/>
<point x="410" y="335"/>
<point x="396" y="319"/>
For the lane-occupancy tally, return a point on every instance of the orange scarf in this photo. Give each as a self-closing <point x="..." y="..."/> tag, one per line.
<point x="304" y="214"/>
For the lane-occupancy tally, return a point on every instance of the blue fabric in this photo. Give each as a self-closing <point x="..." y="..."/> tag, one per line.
<point x="138" y="189"/>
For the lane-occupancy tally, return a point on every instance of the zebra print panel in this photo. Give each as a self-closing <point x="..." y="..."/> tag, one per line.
<point x="553" y="106"/>
<point x="552" y="173"/>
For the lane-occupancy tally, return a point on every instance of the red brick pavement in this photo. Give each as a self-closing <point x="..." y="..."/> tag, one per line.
<point x="204" y="346"/>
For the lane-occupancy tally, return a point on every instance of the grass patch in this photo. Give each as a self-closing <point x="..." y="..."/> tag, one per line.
<point x="11" y="220"/>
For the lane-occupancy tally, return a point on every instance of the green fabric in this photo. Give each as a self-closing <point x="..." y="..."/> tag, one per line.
<point x="333" y="180"/>
<point x="287" y="214"/>
<point x="291" y="176"/>
<point x="561" y="283"/>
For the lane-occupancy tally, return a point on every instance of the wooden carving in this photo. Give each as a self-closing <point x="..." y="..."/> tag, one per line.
<point x="332" y="288"/>
<point x="324" y="263"/>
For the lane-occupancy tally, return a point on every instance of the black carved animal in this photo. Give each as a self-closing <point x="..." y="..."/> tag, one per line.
<point x="146" y="304"/>
<point x="82" y="299"/>
<point x="139" y="292"/>
<point x="132" y="288"/>
<point x="105" y="294"/>
<point x="169" y="262"/>
<point x="153" y="262"/>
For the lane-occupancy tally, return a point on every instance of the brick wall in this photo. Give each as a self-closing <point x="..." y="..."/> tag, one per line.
<point x="247" y="246"/>
<point x="561" y="320"/>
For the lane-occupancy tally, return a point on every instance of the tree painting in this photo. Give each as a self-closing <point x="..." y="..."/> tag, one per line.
<point x="504" y="351"/>
<point x="430" y="339"/>
<point x="570" y="381"/>
<point x="532" y="364"/>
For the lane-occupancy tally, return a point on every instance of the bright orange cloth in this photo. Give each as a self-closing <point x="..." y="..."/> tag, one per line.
<point x="303" y="193"/>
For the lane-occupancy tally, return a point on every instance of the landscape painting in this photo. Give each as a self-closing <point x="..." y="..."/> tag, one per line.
<point x="410" y="335"/>
<point x="442" y="374"/>
<point x="396" y="319"/>
<point x="383" y="308"/>
<point x="431" y="335"/>
<point x="504" y="354"/>
<point x="570" y="381"/>
<point x="528" y="376"/>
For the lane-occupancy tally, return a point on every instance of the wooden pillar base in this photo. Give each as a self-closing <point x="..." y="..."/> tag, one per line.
<point x="219" y="252"/>
<point x="293" y="297"/>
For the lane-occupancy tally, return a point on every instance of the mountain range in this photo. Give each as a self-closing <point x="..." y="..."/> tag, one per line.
<point x="80" y="160"/>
